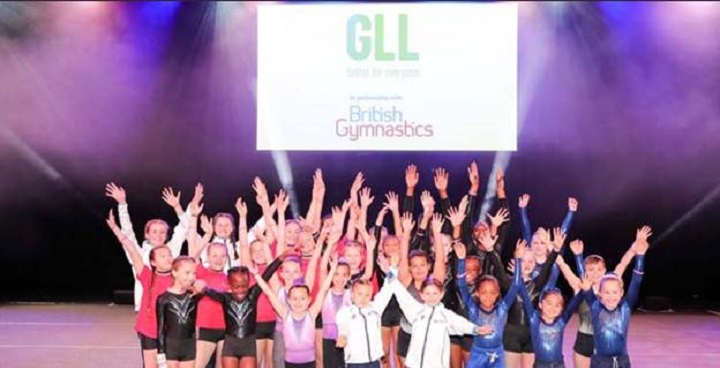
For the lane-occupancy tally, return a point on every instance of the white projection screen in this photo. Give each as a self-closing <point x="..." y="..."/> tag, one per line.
<point x="387" y="77"/>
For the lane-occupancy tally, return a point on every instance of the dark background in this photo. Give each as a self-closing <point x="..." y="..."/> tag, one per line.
<point x="618" y="107"/>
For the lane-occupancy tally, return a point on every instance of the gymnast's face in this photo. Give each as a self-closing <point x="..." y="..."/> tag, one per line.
<point x="361" y="295"/>
<point x="472" y="270"/>
<point x="217" y="256"/>
<point x="479" y="230"/>
<point x="307" y="243"/>
<point x="353" y="256"/>
<point x="156" y="233"/>
<point x="431" y="295"/>
<point x="539" y="248"/>
<point x="223" y="227"/>
<point x="528" y="264"/>
<point x="292" y="232"/>
<point x="551" y="306"/>
<point x="595" y="271"/>
<point x="341" y="276"/>
<point x="299" y="299"/>
<point x="488" y="293"/>
<point x="611" y="292"/>
<point x="184" y="274"/>
<point x="257" y="252"/>
<point x="239" y="285"/>
<point x="390" y="246"/>
<point x="162" y="259"/>
<point x="419" y="268"/>
<point x="291" y="271"/>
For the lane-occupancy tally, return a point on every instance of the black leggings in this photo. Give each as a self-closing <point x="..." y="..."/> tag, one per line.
<point x="333" y="357"/>
<point x="300" y="365"/>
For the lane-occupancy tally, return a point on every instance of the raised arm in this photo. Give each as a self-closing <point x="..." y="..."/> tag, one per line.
<point x="382" y="298"/>
<point x="365" y="201"/>
<point x="527" y="303"/>
<point x="585" y="287"/>
<point x="279" y="306"/>
<point x="461" y="253"/>
<point x="577" y="247"/>
<point x="243" y="246"/>
<point x="404" y="275"/>
<point x="314" y="214"/>
<point x="266" y="275"/>
<point x="517" y="284"/>
<point x="409" y="306"/>
<point x="334" y="235"/>
<point x="524" y="219"/>
<point x="195" y="242"/>
<point x="420" y="239"/>
<point x="316" y="306"/>
<point x="281" y="203"/>
<point x="570" y="277"/>
<point x="546" y="269"/>
<point x="624" y="261"/>
<point x="439" y="266"/>
<point x="442" y="179"/>
<point x="181" y="230"/>
<point x="394" y="206"/>
<point x="467" y="225"/>
<point x="354" y="208"/>
<point x="314" y="260"/>
<point x="129" y="246"/>
<point x="411" y="180"/>
<point x="487" y="244"/>
<point x="567" y="221"/>
<point x="263" y="200"/>
<point x="117" y="193"/>
<point x="370" y="245"/>
<point x="641" y="246"/>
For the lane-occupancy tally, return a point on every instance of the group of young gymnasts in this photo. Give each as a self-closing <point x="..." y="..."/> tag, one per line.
<point x="430" y="291"/>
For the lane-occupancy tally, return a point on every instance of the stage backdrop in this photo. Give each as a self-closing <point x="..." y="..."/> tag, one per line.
<point x="617" y="106"/>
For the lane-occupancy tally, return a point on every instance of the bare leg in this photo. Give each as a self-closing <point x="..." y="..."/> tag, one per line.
<point x="513" y="360"/>
<point x="581" y="361"/>
<point x="465" y="357"/>
<point x="205" y="350"/>
<point x="261" y="358"/>
<point x="150" y="358"/>
<point x="318" y="348"/>
<point x="172" y="364"/>
<point x="218" y="353"/>
<point x="188" y="364"/>
<point x="527" y="360"/>
<point x="230" y="362"/>
<point x="248" y="362"/>
<point x="386" y="331"/>
<point x="455" y="356"/>
<point x="394" y="338"/>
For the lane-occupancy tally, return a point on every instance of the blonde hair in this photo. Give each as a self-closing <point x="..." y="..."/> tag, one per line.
<point x="594" y="259"/>
<point x="611" y="277"/>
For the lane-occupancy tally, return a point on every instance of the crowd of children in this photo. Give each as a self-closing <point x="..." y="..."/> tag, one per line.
<point x="330" y="291"/>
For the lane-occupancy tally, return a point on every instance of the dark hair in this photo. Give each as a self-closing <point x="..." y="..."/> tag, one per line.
<point x="594" y="259"/>
<point x="550" y="291"/>
<point x="240" y="270"/>
<point x="483" y="279"/>
<point x="152" y="272"/>
<point x="419" y="253"/>
<point x="430" y="281"/>
<point x="299" y="286"/>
